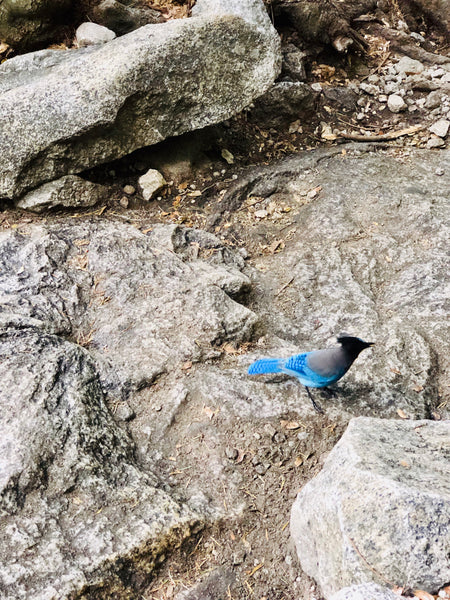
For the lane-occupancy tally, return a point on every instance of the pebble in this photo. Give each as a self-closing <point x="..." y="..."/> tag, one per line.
<point x="437" y="72"/>
<point x="417" y="37"/>
<point x="231" y="453"/>
<point x="433" y="100"/>
<point x="150" y="183"/>
<point x="270" y="430"/>
<point x="439" y="171"/>
<point x="261" y="214"/>
<point x="261" y="469"/>
<point x="91" y="34"/>
<point x="391" y="87"/>
<point x="372" y="90"/>
<point x="409" y="66"/>
<point x="440" y="128"/>
<point x="316" y="87"/>
<point x="279" y="437"/>
<point x="129" y="189"/>
<point x="124" y="202"/>
<point x="435" y="142"/>
<point x="396" y="103"/>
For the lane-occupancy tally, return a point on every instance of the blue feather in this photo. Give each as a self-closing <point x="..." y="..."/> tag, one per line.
<point x="265" y="365"/>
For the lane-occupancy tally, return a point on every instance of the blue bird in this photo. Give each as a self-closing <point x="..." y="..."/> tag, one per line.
<point x="316" y="369"/>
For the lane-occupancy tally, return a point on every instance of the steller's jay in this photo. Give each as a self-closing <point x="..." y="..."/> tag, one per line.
<point x="317" y="369"/>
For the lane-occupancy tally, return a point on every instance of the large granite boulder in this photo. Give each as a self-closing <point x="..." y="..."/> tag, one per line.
<point x="83" y="516"/>
<point x="78" y="513"/>
<point x="380" y="508"/>
<point x="64" y="111"/>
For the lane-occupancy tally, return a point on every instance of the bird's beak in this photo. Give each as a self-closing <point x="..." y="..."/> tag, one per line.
<point x="370" y="344"/>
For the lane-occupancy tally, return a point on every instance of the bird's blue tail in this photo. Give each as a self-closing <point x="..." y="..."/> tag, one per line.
<point x="266" y="365"/>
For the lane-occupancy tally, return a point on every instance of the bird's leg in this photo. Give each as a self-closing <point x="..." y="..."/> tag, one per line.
<point x="317" y="408"/>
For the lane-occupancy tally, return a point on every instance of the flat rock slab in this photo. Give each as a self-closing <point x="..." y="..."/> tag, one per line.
<point x="62" y="112"/>
<point x="355" y="240"/>
<point x="380" y="508"/>
<point x="69" y="191"/>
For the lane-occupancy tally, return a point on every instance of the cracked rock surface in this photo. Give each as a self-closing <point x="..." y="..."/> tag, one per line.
<point x="360" y="245"/>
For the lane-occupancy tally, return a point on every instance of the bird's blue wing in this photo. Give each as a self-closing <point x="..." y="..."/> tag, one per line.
<point x="297" y="366"/>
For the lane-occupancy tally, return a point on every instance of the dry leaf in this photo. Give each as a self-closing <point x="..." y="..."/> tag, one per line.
<point x="418" y="388"/>
<point x="208" y="411"/>
<point x="291" y="424"/>
<point x="298" y="461"/>
<point x="402" y="414"/>
<point x="398" y="590"/>
<point x="404" y="463"/>
<point x="396" y="371"/>
<point x="275" y="245"/>
<point x="240" y="457"/>
<point x="187" y="365"/>
<point x="423" y="595"/>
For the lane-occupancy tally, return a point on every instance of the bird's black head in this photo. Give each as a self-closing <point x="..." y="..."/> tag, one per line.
<point x="353" y="345"/>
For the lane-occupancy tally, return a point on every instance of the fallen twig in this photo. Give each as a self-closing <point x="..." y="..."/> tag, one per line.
<point x="383" y="137"/>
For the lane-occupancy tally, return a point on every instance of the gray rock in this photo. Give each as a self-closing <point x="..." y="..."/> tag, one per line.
<point x="365" y="591"/>
<point x="151" y="183"/>
<point x="70" y="486"/>
<point x="74" y="503"/>
<point x="382" y="500"/>
<point x="294" y="63"/>
<point x="353" y="263"/>
<point x="343" y="96"/>
<point x="396" y="103"/>
<point x="90" y="34"/>
<point x="122" y="18"/>
<point x="77" y="280"/>
<point x="435" y="142"/>
<point x="369" y="88"/>
<point x="433" y="99"/>
<point x="78" y="108"/>
<point x="422" y="84"/>
<point x="69" y="192"/>
<point x="284" y="102"/>
<point x="440" y="128"/>
<point x="409" y="66"/>
<point x="26" y="24"/>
